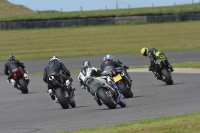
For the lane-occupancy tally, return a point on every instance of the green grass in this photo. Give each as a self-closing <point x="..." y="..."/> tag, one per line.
<point x="188" y="123"/>
<point x="98" y="40"/>
<point x="187" y="65"/>
<point x="11" y="11"/>
<point x="18" y="12"/>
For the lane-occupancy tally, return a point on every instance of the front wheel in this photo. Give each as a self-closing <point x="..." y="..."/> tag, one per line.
<point x="61" y="98"/>
<point x="23" y="86"/>
<point x="105" y="97"/>
<point x="168" y="78"/>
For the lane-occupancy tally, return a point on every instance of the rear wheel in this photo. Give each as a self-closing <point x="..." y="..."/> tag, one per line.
<point x="124" y="90"/>
<point x="131" y="93"/>
<point x="168" y="78"/>
<point x="61" y="98"/>
<point x="106" y="99"/>
<point x="23" y="86"/>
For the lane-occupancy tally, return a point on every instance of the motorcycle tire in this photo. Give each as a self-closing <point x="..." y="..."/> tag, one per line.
<point x="124" y="90"/>
<point x="61" y="98"/>
<point x="105" y="99"/>
<point x="131" y="93"/>
<point x="168" y="78"/>
<point x="73" y="104"/>
<point x="23" y="86"/>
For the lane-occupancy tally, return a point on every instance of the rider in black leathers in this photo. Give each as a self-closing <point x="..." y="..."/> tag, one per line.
<point x="55" y="65"/>
<point x="109" y="64"/>
<point x="11" y="66"/>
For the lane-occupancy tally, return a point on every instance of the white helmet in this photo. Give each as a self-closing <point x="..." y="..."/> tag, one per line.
<point x="108" y="57"/>
<point x="55" y="58"/>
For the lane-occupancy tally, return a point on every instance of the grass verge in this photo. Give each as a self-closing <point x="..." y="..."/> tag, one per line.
<point x="188" y="123"/>
<point x="98" y="40"/>
<point x="176" y="65"/>
<point x="10" y="11"/>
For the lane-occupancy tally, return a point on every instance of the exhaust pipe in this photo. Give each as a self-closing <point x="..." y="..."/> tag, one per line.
<point x="109" y="87"/>
<point x="51" y="78"/>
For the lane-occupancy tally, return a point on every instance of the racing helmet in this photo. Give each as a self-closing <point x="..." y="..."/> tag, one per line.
<point x="86" y="64"/>
<point x="108" y="57"/>
<point x="144" y="51"/>
<point x="11" y="57"/>
<point x="53" y="60"/>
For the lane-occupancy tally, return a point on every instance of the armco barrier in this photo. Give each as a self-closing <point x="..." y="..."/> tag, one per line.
<point x="130" y="19"/>
<point x="56" y="23"/>
<point x="23" y="24"/>
<point x="173" y="17"/>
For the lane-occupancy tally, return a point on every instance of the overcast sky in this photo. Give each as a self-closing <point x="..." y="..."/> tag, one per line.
<point x="75" y="5"/>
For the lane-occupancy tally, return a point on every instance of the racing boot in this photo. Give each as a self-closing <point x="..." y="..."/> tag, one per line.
<point x="98" y="101"/>
<point x="158" y="77"/>
<point x="14" y="83"/>
<point x="56" y="99"/>
<point x="27" y="81"/>
<point x="26" y="78"/>
<point x="170" y="67"/>
<point x="50" y="92"/>
<point x="71" y="95"/>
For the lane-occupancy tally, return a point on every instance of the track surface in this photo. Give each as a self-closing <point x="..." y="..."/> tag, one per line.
<point x="36" y="112"/>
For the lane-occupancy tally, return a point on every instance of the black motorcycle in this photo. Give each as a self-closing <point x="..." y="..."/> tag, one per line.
<point x="122" y="80"/>
<point x="61" y="91"/>
<point x="162" y="72"/>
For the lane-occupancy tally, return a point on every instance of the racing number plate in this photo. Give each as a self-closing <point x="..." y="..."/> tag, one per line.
<point x="117" y="77"/>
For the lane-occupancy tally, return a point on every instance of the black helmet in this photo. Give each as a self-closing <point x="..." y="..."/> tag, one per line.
<point x="11" y="57"/>
<point x="53" y="60"/>
<point x="108" y="57"/>
<point x="86" y="64"/>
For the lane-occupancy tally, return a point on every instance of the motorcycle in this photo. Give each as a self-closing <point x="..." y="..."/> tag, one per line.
<point x="163" y="72"/>
<point x="122" y="80"/>
<point x="61" y="91"/>
<point x="21" y="83"/>
<point x="103" y="87"/>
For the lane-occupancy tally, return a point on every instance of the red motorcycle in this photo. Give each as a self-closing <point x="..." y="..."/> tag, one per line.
<point x="21" y="83"/>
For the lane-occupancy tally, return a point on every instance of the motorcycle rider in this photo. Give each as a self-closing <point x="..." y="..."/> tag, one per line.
<point x="88" y="71"/>
<point x="154" y="54"/>
<point x="11" y="67"/>
<point x="108" y="61"/>
<point x="92" y="72"/>
<point x="55" y="65"/>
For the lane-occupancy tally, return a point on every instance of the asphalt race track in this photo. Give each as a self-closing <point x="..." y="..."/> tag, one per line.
<point x="37" y="113"/>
